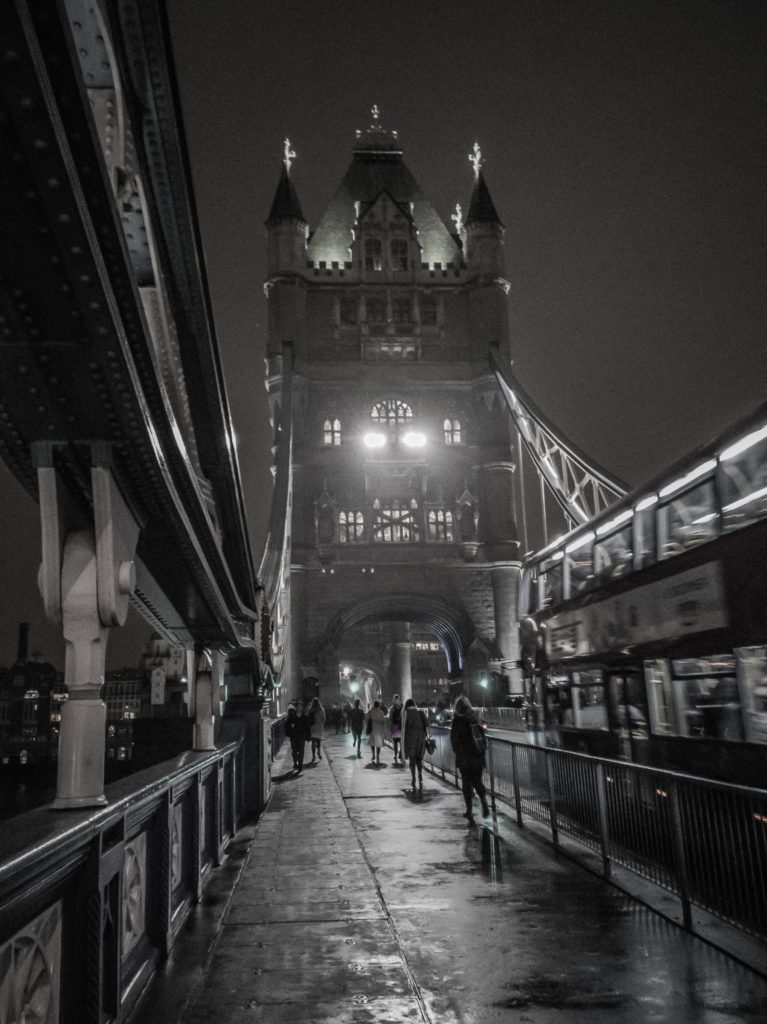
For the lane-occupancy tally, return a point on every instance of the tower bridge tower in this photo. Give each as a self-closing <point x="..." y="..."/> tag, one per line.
<point x="401" y="515"/>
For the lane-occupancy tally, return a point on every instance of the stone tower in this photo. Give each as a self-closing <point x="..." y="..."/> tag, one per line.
<point x="402" y="532"/>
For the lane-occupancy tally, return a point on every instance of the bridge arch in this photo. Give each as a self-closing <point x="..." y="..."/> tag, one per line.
<point x="448" y="622"/>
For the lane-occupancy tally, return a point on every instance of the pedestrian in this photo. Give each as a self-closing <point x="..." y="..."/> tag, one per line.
<point x="376" y="723"/>
<point x="467" y="739"/>
<point x="414" y="739"/>
<point x="316" y="728"/>
<point x="336" y="716"/>
<point x="357" y="721"/>
<point x="395" y="726"/>
<point x="296" y="732"/>
<point x="347" y="710"/>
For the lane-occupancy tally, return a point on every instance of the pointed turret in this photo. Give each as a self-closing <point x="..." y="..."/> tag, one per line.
<point x="286" y="227"/>
<point x="484" y="245"/>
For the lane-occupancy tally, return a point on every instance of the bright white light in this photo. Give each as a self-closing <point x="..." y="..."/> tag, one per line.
<point x="580" y="542"/>
<point x="753" y="496"/>
<point x="704" y="519"/>
<point x="413" y="439"/>
<point x="612" y="524"/>
<point x="647" y="503"/>
<point x="704" y="467"/>
<point x="744" y="443"/>
<point x="374" y="440"/>
<point x="557" y="556"/>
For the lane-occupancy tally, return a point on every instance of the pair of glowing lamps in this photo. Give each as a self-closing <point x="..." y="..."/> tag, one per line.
<point x="412" y="439"/>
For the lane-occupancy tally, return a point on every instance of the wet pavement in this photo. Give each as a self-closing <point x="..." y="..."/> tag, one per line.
<point x="357" y="900"/>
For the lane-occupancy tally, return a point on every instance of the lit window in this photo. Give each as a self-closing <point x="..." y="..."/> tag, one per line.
<point x="373" y="251"/>
<point x="428" y="307"/>
<point x="376" y="311"/>
<point x="332" y="432"/>
<point x="348" y="311"/>
<point x="439" y="525"/>
<point x="403" y="311"/>
<point x="452" y="430"/>
<point x="397" y="523"/>
<point x="351" y="526"/>
<point x="399" y="254"/>
<point x="391" y="412"/>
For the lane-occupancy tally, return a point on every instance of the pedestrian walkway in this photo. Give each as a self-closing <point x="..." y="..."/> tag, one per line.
<point x="357" y="900"/>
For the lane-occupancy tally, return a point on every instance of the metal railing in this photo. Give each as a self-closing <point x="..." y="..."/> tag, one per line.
<point x="704" y="841"/>
<point x="91" y="900"/>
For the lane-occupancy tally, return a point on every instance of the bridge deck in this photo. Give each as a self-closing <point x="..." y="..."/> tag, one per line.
<point x="357" y="902"/>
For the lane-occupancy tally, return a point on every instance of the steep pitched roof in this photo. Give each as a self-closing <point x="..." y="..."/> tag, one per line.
<point x="481" y="208"/>
<point x="285" y="205"/>
<point x="375" y="169"/>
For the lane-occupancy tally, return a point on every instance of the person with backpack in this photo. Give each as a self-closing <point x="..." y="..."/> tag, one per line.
<point x="395" y="727"/>
<point x="467" y="738"/>
<point x="414" y="739"/>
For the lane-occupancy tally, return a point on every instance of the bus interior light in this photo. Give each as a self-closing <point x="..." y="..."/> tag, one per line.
<point x="645" y="503"/>
<point x="705" y="467"/>
<point x="746" y="500"/>
<point x="743" y="444"/>
<point x="615" y="522"/>
<point x="580" y="542"/>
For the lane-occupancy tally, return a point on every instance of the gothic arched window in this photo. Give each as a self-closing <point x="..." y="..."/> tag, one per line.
<point x="428" y="308"/>
<point x="373" y="254"/>
<point x="391" y="412"/>
<point x="439" y="524"/>
<point x="452" y="430"/>
<point x="348" y="311"/>
<point x="351" y="526"/>
<point x="376" y="311"/>
<point x="399" y="254"/>
<point x="332" y="432"/>
<point x="403" y="311"/>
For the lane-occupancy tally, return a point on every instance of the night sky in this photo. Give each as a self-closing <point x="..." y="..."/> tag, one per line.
<point x="625" y="148"/>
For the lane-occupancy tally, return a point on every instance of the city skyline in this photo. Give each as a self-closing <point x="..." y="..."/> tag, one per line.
<point x="625" y="149"/>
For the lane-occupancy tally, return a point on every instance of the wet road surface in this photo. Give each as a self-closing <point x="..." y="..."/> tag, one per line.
<point x="357" y="900"/>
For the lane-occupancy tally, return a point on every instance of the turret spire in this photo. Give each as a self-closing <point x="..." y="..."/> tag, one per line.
<point x="286" y="205"/>
<point x="481" y="208"/>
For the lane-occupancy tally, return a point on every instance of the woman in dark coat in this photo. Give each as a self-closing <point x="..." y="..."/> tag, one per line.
<point x="469" y="760"/>
<point x="297" y="732"/>
<point x="414" y="739"/>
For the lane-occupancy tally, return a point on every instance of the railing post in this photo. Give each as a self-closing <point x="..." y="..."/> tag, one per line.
<point x="604" y="831"/>
<point x="680" y="857"/>
<point x="491" y="772"/>
<point x="552" y="798"/>
<point x="515" y="782"/>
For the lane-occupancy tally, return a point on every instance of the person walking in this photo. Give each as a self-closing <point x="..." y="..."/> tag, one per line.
<point x="357" y="721"/>
<point x="414" y="739"/>
<point x="395" y="726"/>
<point x="376" y="723"/>
<point x="316" y="728"/>
<point x="468" y="742"/>
<point x="296" y="732"/>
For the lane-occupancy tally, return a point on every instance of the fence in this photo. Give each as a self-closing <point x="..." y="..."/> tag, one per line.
<point x="91" y="900"/>
<point x="704" y="841"/>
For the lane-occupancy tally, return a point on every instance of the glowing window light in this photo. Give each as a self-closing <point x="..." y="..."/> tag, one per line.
<point x="617" y="521"/>
<point x="413" y="439"/>
<point x="374" y="440"/>
<point x="580" y="542"/>
<point x="646" y="503"/>
<point x="746" y="500"/>
<point x="557" y="556"/>
<point x="682" y="481"/>
<point x="743" y="444"/>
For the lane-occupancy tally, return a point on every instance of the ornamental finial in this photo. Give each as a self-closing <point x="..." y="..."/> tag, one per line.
<point x="375" y="111"/>
<point x="289" y="155"/>
<point x="457" y="217"/>
<point x="475" y="158"/>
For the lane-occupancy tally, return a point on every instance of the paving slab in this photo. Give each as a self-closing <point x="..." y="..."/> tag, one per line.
<point x="362" y="901"/>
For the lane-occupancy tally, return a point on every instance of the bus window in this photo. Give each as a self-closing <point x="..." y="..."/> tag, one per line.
<point x="743" y="481"/>
<point x="752" y="677"/>
<point x="645" y="534"/>
<point x="580" y="567"/>
<point x="551" y="582"/>
<point x="589" y="697"/>
<point x="690" y="519"/>
<point x="660" y="697"/>
<point x="710" y="707"/>
<point x="613" y="555"/>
